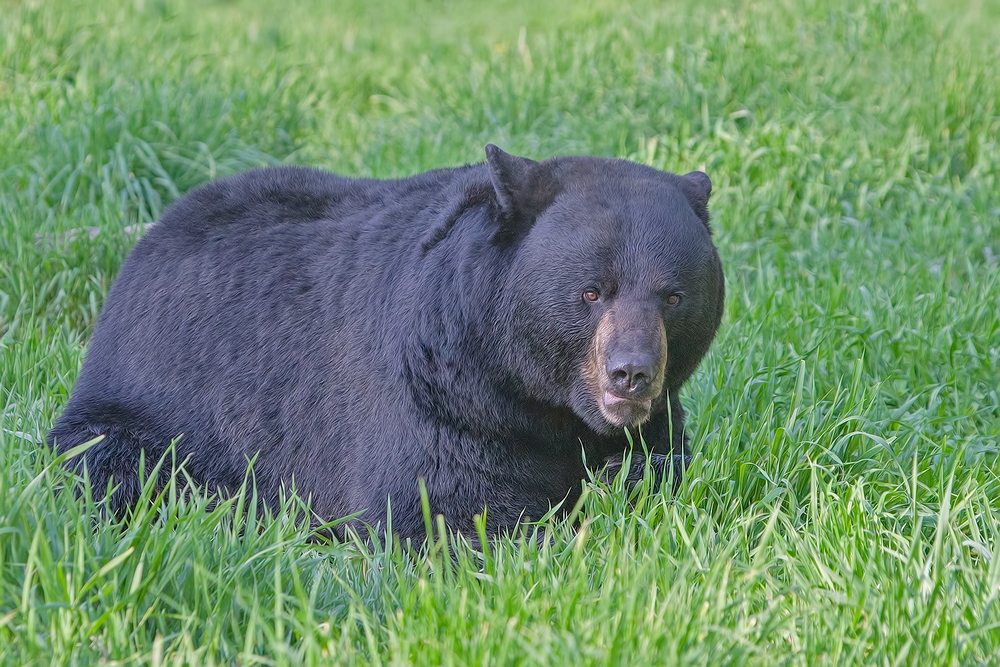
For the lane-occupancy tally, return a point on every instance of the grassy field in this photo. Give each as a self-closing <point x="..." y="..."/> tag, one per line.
<point x="843" y="506"/>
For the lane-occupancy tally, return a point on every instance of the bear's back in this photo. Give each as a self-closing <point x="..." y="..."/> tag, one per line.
<point x="274" y="196"/>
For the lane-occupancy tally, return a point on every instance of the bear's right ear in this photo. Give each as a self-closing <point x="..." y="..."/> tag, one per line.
<point x="698" y="188"/>
<point x="524" y="188"/>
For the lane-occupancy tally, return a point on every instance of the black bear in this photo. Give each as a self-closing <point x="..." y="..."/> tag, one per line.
<point x="486" y="329"/>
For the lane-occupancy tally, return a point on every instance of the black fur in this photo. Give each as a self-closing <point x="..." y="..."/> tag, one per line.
<point x="356" y="335"/>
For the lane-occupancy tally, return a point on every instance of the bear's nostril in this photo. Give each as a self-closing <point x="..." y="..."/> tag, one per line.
<point x="629" y="378"/>
<point x="620" y="378"/>
<point x="639" y="382"/>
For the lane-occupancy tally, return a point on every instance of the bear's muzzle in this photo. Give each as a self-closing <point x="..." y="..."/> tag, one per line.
<point x="627" y="362"/>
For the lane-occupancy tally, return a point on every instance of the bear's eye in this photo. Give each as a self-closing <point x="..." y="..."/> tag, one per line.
<point x="591" y="295"/>
<point x="673" y="299"/>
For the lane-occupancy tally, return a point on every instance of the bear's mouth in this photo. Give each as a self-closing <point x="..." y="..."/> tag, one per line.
<point x="622" y="411"/>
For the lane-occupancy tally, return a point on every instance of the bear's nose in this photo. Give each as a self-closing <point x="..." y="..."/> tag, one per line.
<point x="630" y="373"/>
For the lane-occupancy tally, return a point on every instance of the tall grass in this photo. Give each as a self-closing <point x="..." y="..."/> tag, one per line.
<point x="843" y="505"/>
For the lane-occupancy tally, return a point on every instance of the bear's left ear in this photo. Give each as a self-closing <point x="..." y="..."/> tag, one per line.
<point x="698" y="188"/>
<point x="524" y="188"/>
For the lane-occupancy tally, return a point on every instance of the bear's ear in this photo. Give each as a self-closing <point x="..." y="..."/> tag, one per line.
<point x="524" y="188"/>
<point x="698" y="188"/>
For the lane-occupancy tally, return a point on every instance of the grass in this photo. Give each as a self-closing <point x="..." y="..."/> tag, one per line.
<point x="843" y="506"/>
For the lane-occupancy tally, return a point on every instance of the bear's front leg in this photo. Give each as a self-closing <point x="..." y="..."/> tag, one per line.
<point x="667" y="444"/>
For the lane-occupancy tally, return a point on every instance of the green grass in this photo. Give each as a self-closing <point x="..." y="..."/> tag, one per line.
<point x="843" y="506"/>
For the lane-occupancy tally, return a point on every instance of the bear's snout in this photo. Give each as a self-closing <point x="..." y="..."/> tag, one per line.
<point x="628" y="360"/>
<point x="631" y="372"/>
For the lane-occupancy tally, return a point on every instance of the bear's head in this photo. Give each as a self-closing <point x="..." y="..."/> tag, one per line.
<point x="614" y="289"/>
